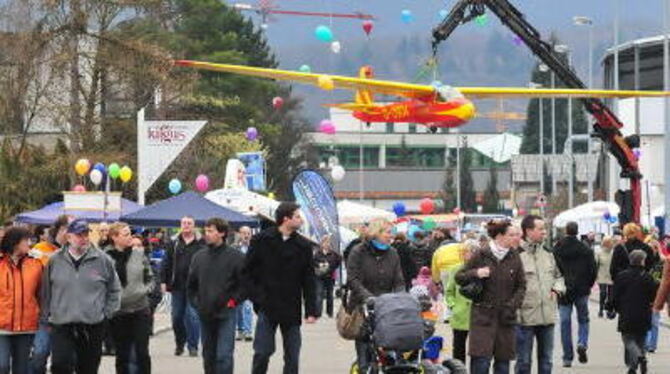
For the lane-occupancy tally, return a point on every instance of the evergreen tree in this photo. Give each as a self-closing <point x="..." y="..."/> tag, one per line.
<point x="530" y="142"/>
<point x="468" y="194"/>
<point x="448" y="192"/>
<point x="491" y="196"/>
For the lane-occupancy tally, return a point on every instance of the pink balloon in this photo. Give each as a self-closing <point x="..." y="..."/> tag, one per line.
<point x="327" y="127"/>
<point x="79" y="188"/>
<point x="277" y="102"/>
<point x="367" y="26"/>
<point x="202" y="183"/>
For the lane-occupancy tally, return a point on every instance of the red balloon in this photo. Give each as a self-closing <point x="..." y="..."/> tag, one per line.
<point x="522" y="212"/>
<point x="367" y="26"/>
<point x="427" y="206"/>
<point x="277" y="102"/>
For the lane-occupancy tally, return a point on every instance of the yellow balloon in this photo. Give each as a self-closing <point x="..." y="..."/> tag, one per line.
<point x="82" y="166"/>
<point x="271" y="195"/>
<point x="326" y="83"/>
<point x="126" y="174"/>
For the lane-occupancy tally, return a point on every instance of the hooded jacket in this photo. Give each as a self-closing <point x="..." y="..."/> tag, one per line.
<point x="632" y="296"/>
<point x="19" y="294"/>
<point x="577" y="263"/>
<point x="542" y="278"/>
<point x="87" y="294"/>
<point x="215" y="277"/>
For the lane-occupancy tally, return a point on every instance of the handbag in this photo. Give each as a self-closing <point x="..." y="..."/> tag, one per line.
<point x="473" y="289"/>
<point x="349" y="322"/>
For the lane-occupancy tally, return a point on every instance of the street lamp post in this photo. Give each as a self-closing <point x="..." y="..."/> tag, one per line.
<point x="564" y="49"/>
<point x="586" y="21"/>
<point x="541" y="136"/>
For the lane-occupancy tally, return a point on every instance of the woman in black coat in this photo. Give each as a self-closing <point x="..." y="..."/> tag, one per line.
<point x="373" y="269"/>
<point x="633" y="240"/>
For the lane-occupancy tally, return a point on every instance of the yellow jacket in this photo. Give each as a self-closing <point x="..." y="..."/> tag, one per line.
<point x="446" y="257"/>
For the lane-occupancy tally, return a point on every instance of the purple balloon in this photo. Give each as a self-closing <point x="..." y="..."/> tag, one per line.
<point x="252" y="134"/>
<point x="637" y="153"/>
<point x="517" y="41"/>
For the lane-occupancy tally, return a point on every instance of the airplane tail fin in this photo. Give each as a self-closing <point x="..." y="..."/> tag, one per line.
<point x="364" y="97"/>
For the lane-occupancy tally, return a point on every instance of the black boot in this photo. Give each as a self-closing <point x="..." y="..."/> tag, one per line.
<point x="643" y="365"/>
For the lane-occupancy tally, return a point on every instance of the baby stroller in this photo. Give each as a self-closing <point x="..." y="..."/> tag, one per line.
<point x="395" y="333"/>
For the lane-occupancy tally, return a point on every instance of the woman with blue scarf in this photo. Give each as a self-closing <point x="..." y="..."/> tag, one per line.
<point x="373" y="269"/>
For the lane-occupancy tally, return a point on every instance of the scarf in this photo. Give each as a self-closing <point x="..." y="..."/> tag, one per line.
<point x="498" y="252"/>
<point x="121" y="263"/>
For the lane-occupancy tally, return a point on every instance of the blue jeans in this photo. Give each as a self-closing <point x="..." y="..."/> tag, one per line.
<point x="652" y="336"/>
<point x="524" y="348"/>
<point x="565" y="312"/>
<point x="41" y="350"/>
<point x="482" y="365"/>
<point x="15" y="353"/>
<point x="245" y="317"/>
<point x="185" y="321"/>
<point x="218" y="344"/>
<point x="264" y="345"/>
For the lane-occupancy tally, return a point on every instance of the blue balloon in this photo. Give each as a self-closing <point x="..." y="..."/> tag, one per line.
<point x="174" y="186"/>
<point x="406" y="16"/>
<point x="323" y="33"/>
<point x="305" y="69"/>
<point x="399" y="209"/>
<point x="607" y="216"/>
<point x="612" y="219"/>
<point x="100" y="166"/>
<point x="443" y="14"/>
<point x="436" y="84"/>
<point x="411" y="232"/>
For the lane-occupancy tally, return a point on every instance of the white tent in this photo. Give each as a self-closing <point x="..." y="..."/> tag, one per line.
<point x="244" y="201"/>
<point x="589" y="216"/>
<point x="351" y="213"/>
<point x="500" y="148"/>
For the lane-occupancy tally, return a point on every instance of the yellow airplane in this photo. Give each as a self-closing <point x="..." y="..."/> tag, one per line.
<point x="432" y="106"/>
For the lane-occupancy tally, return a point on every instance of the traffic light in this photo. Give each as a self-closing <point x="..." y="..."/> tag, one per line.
<point x="624" y="198"/>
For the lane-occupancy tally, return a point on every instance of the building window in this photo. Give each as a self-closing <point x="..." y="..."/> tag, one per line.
<point x="421" y="157"/>
<point x="412" y="128"/>
<point x="389" y="127"/>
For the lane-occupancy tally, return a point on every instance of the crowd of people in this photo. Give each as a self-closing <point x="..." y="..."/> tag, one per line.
<point x="73" y="291"/>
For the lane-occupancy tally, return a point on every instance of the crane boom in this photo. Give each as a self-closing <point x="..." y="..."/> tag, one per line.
<point x="606" y="126"/>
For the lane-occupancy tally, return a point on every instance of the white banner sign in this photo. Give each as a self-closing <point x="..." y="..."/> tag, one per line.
<point x="158" y="144"/>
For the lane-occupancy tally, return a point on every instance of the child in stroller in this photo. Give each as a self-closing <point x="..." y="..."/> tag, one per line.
<point x="399" y="338"/>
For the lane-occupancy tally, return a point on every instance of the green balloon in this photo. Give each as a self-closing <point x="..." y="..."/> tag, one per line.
<point x="429" y="224"/>
<point x="114" y="170"/>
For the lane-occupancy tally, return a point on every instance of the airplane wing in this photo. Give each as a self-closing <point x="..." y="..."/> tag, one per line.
<point x="411" y="90"/>
<point x="519" y="92"/>
<point x="408" y="90"/>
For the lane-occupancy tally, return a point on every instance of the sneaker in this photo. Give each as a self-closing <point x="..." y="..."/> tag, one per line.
<point x="248" y="337"/>
<point x="567" y="364"/>
<point x="239" y="336"/>
<point x="179" y="351"/>
<point x="581" y="352"/>
<point x="601" y="315"/>
<point x="193" y="352"/>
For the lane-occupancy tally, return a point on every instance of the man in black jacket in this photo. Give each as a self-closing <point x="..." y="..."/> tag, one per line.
<point x="177" y="261"/>
<point x="215" y="289"/>
<point x="279" y="271"/>
<point x="633" y="240"/>
<point x="577" y="263"/>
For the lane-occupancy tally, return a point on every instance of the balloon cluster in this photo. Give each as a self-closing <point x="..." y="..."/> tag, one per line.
<point x="98" y="173"/>
<point x="201" y="184"/>
<point x="609" y="218"/>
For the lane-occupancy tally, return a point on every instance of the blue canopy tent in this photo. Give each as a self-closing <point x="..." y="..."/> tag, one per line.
<point x="168" y="212"/>
<point x="47" y="215"/>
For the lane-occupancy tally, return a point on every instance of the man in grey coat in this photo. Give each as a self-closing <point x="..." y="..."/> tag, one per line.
<point x="80" y="289"/>
<point x="544" y="283"/>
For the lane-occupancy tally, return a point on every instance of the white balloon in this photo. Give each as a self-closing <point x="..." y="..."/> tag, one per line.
<point x="337" y="172"/>
<point x="96" y="176"/>
<point x="336" y="47"/>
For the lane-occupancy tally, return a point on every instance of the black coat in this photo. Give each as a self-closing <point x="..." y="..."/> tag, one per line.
<point x="178" y="261"/>
<point x="578" y="265"/>
<point x="215" y="278"/>
<point x="333" y="261"/>
<point x="620" y="256"/>
<point x="633" y="294"/>
<point x="409" y="269"/>
<point x="371" y="272"/>
<point x="278" y="274"/>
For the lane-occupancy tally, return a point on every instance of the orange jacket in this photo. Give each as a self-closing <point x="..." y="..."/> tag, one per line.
<point x="19" y="294"/>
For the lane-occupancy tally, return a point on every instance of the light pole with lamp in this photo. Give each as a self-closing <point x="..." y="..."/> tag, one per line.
<point x="586" y="21"/>
<point x="564" y="49"/>
<point x="541" y="136"/>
